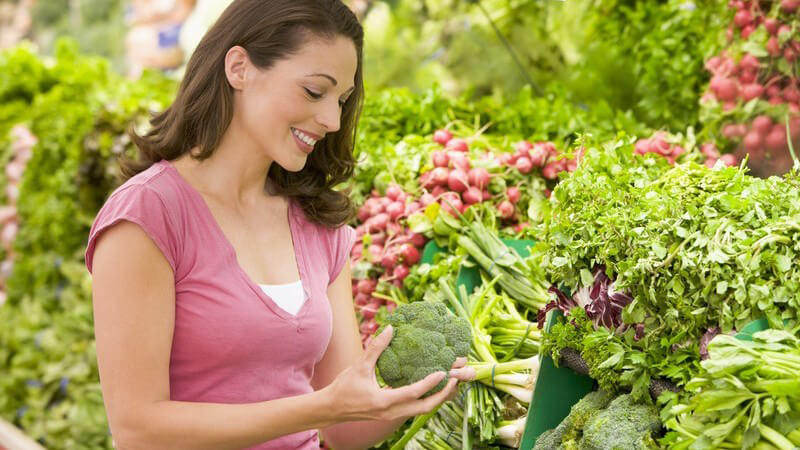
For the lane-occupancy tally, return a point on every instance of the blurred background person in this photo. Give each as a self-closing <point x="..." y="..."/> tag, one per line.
<point x="154" y="35"/>
<point x="15" y="21"/>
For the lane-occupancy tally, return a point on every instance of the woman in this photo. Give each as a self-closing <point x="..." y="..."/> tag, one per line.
<point x="234" y="190"/>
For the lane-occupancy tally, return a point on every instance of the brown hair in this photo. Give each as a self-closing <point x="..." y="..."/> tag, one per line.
<point x="268" y="30"/>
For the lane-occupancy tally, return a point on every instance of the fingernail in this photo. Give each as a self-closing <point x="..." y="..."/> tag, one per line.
<point x="388" y="329"/>
<point x="439" y="375"/>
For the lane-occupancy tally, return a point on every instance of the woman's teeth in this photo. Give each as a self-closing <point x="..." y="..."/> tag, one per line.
<point x="304" y="137"/>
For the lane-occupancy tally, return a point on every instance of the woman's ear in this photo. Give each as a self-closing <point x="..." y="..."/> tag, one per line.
<point x="236" y="65"/>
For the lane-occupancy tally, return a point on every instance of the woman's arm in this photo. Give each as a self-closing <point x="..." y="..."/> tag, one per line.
<point x="134" y="304"/>
<point x="345" y="348"/>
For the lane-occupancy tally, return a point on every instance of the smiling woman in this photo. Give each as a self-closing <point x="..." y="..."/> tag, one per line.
<point x="223" y="308"/>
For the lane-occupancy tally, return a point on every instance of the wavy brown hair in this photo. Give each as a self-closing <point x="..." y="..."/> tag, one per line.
<point x="269" y="30"/>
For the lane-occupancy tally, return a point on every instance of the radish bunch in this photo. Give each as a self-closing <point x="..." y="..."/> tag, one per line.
<point x="22" y="151"/>
<point x="541" y="155"/>
<point x="660" y="144"/>
<point x="389" y="246"/>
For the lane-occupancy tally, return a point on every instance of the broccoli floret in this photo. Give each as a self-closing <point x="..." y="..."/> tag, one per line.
<point x="551" y="439"/>
<point x="427" y="338"/>
<point x="568" y="433"/>
<point x="624" y="425"/>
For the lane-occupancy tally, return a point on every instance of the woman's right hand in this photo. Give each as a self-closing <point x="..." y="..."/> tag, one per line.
<point x="355" y="394"/>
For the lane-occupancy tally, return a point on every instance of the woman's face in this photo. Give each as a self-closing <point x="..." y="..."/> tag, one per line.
<point x="286" y="109"/>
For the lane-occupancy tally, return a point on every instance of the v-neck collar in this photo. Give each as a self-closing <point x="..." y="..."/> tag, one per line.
<point x="297" y="245"/>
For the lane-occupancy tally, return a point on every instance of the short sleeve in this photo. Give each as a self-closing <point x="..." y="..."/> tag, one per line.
<point x="343" y="239"/>
<point x="143" y="206"/>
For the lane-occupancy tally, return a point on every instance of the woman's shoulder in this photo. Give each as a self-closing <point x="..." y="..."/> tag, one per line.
<point x="155" y="181"/>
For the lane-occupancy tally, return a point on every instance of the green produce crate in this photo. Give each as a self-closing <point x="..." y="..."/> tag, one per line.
<point x="557" y="389"/>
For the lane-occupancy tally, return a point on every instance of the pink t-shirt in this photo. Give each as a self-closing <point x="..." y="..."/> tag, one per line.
<point x="232" y="343"/>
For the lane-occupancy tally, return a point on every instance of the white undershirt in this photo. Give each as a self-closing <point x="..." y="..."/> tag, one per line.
<point x="290" y="297"/>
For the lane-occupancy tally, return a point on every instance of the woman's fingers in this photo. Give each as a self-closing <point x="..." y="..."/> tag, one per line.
<point x="416" y="390"/>
<point x="427" y="404"/>
<point x="460" y="362"/>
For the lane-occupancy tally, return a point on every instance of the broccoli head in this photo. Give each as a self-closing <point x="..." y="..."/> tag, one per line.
<point x="568" y="433"/>
<point x="427" y="338"/>
<point x="624" y="425"/>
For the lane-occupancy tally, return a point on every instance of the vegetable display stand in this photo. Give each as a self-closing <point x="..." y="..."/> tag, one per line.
<point x="557" y="388"/>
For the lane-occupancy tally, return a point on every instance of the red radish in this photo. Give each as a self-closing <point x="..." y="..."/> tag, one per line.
<point x="394" y="191"/>
<point x="773" y="47"/>
<point x="729" y="34"/>
<point x="523" y="146"/>
<point x="520" y="227"/>
<point x="731" y="131"/>
<point x="361" y="299"/>
<point x="395" y="210"/>
<point x="524" y="164"/>
<point x="776" y="139"/>
<point x="506" y="209"/>
<point x="389" y="260"/>
<point x="453" y="203"/>
<point x="791" y="94"/>
<point x="438" y="190"/>
<point x="789" y="54"/>
<point x="375" y="251"/>
<point x="551" y="170"/>
<point x="762" y="124"/>
<point x="440" y="158"/>
<point x="410" y="254"/>
<point x="743" y="18"/>
<point x="538" y="155"/>
<point x="659" y="145"/>
<point x="479" y="177"/>
<point x="642" y="146"/>
<point x="393" y="228"/>
<point x="749" y="62"/>
<point x="772" y="26"/>
<point x="677" y="151"/>
<point x="426" y="180"/>
<point x="384" y="201"/>
<point x="368" y="327"/>
<point x="729" y="160"/>
<point x="727" y="89"/>
<point x="367" y="286"/>
<point x="459" y="161"/>
<point x="712" y="65"/>
<point x="784" y="30"/>
<point x="440" y="176"/>
<point x="753" y="141"/>
<point x="789" y="6"/>
<point x="748" y="76"/>
<point x="505" y="159"/>
<point x="710" y="162"/>
<point x="472" y="195"/>
<point x="378" y="238"/>
<point x="417" y="239"/>
<point x="442" y="136"/>
<point x="747" y="31"/>
<point x="363" y="213"/>
<point x="572" y="165"/>
<point x="794" y="127"/>
<point x="400" y="272"/>
<point x="729" y="106"/>
<point x="457" y="181"/>
<point x="776" y="101"/>
<point x="412" y="207"/>
<point x="513" y="193"/>
<point x="710" y="150"/>
<point x="486" y="195"/>
<point x="458" y="144"/>
<point x="548" y="193"/>
<point x="378" y="222"/>
<point x="426" y="199"/>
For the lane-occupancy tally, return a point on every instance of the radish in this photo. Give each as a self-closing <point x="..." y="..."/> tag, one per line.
<point x="457" y="181"/>
<point x="643" y="146"/>
<point x="551" y="170"/>
<point x="659" y="145"/>
<point x="479" y="177"/>
<point x="727" y="89"/>
<point x="375" y="252"/>
<point x="366" y="286"/>
<point x="410" y="254"/>
<point x="426" y="180"/>
<point x="772" y="26"/>
<point x="743" y="18"/>
<point x="378" y="222"/>
<point x="749" y="62"/>
<point x="473" y="195"/>
<point x="369" y="327"/>
<point x="748" y="76"/>
<point x="791" y="94"/>
<point x="395" y="210"/>
<point x="776" y="100"/>
<point x="400" y="272"/>
<point x="456" y="203"/>
<point x="712" y="65"/>
<point x="426" y="199"/>
<point x="438" y="190"/>
<point x="677" y="151"/>
<point x="747" y="31"/>
<point x="773" y="47"/>
<point x="710" y="150"/>
<point x="523" y="146"/>
<point x="389" y="260"/>
<point x="794" y="127"/>
<point x="457" y="144"/>
<point x="417" y="239"/>
<point x="378" y="238"/>
<point x="524" y="164"/>
<point x="762" y="124"/>
<point x="710" y="162"/>
<point x="548" y="193"/>
<point x="486" y="195"/>
<point x="384" y="201"/>
<point x="459" y="161"/>
<point x="731" y="131"/>
<point x="412" y="207"/>
<point x="789" y="54"/>
<point x="513" y="193"/>
<point x="784" y="30"/>
<point x="538" y="155"/>
<point x="776" y="139"/>
<point x="790" y="6"/>
<point x="440" y="176"/>
<point x="440" y="158"/>
<point x="361" y="299"/>
<point x="442" y="136"/>
<point x="505" y="159"/>
<point x="394" y="228"/>
<point x="729" y="160"/>
<point x="363" y="213"/>
<point x="394" y="191"/>
<point x="506" y="209"/>
<point x="753" y="141"/>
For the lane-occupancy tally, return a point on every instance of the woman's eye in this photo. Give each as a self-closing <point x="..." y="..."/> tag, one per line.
<point x="313" y="94"/>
